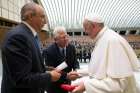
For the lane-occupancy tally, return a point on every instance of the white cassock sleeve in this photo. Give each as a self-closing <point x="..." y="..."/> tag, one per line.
<point x="109" y="85"/>
<point x="83" y="73"/>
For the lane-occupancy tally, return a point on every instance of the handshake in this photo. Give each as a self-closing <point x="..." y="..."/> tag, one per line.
<point x="56" y="72"/>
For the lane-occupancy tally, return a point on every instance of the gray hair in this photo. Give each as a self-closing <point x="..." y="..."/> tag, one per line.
<point x="27" y="9"/>
<point x="58" y="30"/>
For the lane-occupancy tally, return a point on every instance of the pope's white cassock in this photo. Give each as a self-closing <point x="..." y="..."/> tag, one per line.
<point x="112" y="65"/>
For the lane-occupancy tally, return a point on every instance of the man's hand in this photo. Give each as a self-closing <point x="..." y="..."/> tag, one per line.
<point x="72" y="75"/>
<point x="79" y="89"/>
<point x="50" y="68"/>
<point x="55" y="75"/>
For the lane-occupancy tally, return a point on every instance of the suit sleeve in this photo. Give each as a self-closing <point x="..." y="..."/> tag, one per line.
<point x="18" y="56"/>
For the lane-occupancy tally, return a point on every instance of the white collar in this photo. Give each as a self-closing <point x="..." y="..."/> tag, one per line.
<point x="99" y="34"/>
<point x="31" y="28"/>
<point x="62" y="48"/>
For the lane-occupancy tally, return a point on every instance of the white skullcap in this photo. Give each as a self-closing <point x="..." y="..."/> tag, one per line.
<point x="93" y="17"/>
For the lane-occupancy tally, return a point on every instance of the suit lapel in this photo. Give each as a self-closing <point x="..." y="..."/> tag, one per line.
<point x="58" y="54"/>
<point x="32" y="38"/>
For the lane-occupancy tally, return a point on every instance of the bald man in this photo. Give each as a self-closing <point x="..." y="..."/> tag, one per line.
<point x="113" y="61"/>
<point x="23" y="68"/>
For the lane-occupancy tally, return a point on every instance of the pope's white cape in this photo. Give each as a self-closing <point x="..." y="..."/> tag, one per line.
<point x="112" y="64"/>
<point x="112" y="56"/>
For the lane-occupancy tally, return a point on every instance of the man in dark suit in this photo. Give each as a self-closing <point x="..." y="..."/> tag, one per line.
<point x="23" y="68"/>
<point x="59" y="51"/>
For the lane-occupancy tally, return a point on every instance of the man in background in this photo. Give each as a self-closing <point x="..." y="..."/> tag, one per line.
<point x="23" y="68"/>
<point x="56" y="53"/>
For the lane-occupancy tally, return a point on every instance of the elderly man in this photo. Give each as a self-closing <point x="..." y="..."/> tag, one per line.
<point x="23" y="68"/>
<point x="112" y="61"/>
<point x="56" y="53"/>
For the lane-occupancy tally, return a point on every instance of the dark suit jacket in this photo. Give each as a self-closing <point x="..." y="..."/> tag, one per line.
<point x="53" y="57"/>
<point x="23" y="69"/>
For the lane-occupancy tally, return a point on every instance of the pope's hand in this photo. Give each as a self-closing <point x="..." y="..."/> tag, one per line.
<point x="79" y="89"/>
<point x="55" y="75"/>
<point x="72" y="75"/>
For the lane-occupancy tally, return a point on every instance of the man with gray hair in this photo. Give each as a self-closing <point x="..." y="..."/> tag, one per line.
<point x="113" y="61"/>
<point x="23" y="68"/>
<point x="56" y="53"/>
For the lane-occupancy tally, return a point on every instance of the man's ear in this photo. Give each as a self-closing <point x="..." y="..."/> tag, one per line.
<point x="30" y="15"/>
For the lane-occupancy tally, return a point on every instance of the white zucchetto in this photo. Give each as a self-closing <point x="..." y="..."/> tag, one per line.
<point x="93" y="17"/>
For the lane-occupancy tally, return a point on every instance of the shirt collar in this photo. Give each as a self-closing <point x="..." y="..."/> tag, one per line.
<point x="31" y="28"/>
<point x="62" y="48"/>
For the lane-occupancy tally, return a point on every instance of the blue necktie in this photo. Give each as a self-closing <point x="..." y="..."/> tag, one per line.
<point x="38" y="42"/>
<point x="63" y="52"/>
